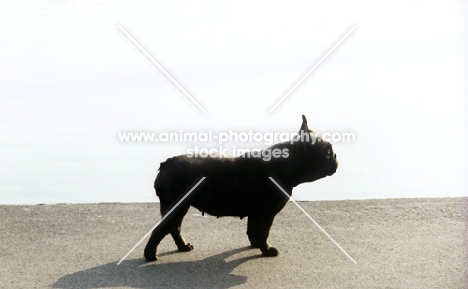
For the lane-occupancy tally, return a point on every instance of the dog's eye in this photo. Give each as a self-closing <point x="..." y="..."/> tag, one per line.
<point x="328" y="153"/>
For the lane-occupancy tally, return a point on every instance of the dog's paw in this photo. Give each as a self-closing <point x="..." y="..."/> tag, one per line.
<point x="151" y="258"/>
<point x="185" y="248"/>
<point x="270" y="252"/>
<point x="150" y="254"/>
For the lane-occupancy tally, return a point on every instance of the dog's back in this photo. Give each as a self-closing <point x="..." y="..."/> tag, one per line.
<point x="233" y="186"/>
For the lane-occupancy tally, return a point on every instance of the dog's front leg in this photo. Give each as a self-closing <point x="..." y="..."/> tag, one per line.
<point x="258" y="231"/>
<point x="251" y="232"/>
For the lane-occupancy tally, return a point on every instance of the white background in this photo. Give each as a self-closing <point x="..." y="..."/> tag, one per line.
<point x="70" y="80"/>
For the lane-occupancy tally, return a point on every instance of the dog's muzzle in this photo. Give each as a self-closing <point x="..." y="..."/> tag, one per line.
<point x="333" y="165"/>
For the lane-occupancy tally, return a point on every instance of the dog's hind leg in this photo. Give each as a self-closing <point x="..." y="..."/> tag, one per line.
<point x="259" y="227"/>
<point x="170" y="225"/>
<point x="182" y="245"/>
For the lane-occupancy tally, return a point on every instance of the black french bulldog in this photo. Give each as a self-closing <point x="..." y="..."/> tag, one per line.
<point x="239" y="187"/>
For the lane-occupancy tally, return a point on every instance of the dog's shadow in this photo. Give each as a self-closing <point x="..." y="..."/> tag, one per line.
<point x="211" y="272"/>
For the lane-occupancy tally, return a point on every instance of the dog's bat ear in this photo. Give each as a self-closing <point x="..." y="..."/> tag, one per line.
<point x="304" y="131"/>
<point x="304" y="126"/>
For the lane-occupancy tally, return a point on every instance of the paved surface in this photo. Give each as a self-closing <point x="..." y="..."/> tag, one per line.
<point x="414" y="243"/>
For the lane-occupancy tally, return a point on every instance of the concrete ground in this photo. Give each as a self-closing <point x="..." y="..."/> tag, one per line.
<point x="408" y="243"/>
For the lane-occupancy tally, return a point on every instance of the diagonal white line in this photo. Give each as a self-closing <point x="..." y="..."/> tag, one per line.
<point x="312" y="219"/>
<point x="160" y="67"/>
<point x="160" y="221"/>
<point x="312" y="69"/>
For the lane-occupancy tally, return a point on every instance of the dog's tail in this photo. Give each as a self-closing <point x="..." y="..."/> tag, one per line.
<point x="157" y="184"/>
<point x="161" y="172"/>
<point x="158" y="181"/>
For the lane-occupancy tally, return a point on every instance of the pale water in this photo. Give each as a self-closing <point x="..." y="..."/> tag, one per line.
<point x="71" y="80"/>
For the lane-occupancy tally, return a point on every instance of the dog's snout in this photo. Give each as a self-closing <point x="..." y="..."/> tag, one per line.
<point x="334" y="165"/>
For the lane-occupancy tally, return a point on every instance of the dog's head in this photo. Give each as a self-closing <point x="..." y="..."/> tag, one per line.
<point x="316" y="150"/>
<point x="310" y="157"/>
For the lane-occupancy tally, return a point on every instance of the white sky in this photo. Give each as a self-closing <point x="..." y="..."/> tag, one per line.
<point x="70" y="80"/>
